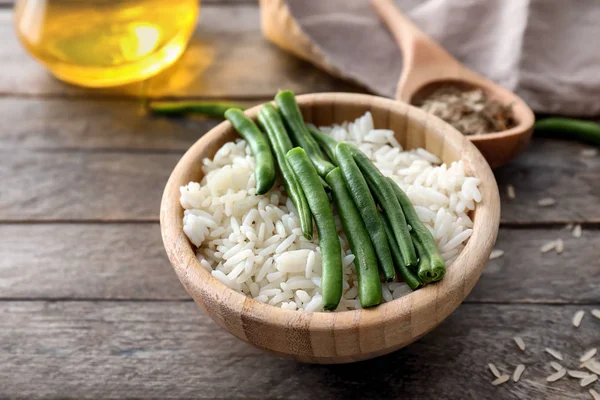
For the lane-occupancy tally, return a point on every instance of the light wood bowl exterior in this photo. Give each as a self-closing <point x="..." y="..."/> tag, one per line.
<point x="348" y="336"/>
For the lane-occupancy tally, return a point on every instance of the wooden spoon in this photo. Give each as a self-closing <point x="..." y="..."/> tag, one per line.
<point x="428" y="66"/>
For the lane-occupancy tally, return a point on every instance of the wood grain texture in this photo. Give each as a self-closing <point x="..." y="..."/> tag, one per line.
<point x="86" y="261"/>
<point x="53" y="124"/>
<point x="556" y="169"/>
<point x="170" y="350"/>
<point x="75" y="264"/>
<point x="352" y="335"/>
<point x="227" y="57"/>
<point x="549" y="168"/>
<point x="82" y="186"/>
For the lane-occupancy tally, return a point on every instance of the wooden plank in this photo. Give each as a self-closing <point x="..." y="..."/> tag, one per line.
<point x="127" y="261"/>
<point x="555" y="169"/>
<point x="227" y="57"/>
<point x="51" y="124"/>
<point x="525" y="275"/>
<point x="170" y="349"/>
<point x="83" y="261"/>
<point x="66" y="185"/>
<point x="82" y="186"/>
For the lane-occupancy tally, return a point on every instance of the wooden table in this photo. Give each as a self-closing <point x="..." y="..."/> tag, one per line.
<point x="89" y="306"/>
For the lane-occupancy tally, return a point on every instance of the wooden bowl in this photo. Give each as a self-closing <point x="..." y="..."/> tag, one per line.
<point x="347" y="336"/>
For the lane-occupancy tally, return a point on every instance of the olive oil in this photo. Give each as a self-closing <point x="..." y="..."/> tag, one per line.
<point x="100" y="43"/>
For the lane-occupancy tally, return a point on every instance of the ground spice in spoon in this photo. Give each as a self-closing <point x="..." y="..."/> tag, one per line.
<point x="469" y="111"/>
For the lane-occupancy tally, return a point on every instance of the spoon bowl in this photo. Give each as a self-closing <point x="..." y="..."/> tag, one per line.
<point x="428" y="66"/>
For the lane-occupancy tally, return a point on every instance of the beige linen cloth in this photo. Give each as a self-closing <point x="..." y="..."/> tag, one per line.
<point x="547" y="51"/>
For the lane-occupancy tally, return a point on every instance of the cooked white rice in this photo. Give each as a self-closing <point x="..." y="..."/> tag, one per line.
<point x="254" y="244"/>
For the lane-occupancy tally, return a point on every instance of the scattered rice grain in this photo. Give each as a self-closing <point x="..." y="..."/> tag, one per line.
<point x="588" y="380"/>
<point x="588" y="355"/>
<point x="510" y="192"/>
<point x="500" y="380"/>
<point x="518" y="372"/>
<point x="577" y="374"/>
<point x="596" y="313"/>
<point x="549" y="246"/>
<point x="589" y="152"/>
<point x="557" y="375"/>
<point x="595" y="395"/>
<point x="496" y="253"/>
<point x="577" y="318"/>
<point x="577" y="231"/>
<point x="494" y="370"/>
<point x="556" y="366"/>
<point x="546" y="202"/>
<point x="554" y="353"/>
<point x="520" y="343"/>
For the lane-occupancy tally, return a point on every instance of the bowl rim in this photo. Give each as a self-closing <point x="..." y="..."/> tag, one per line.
<point x="198" y="281"/>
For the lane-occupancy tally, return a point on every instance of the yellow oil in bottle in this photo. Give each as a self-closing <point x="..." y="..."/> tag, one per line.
<point x="100" y="43"/>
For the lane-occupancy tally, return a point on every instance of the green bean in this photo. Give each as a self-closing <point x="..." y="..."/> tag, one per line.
<point x="359" y="190"/>
<point x="436" y="268"/>
<point x="331" y="281"/>
<point x="212" y="109"/>
<point x="409" y="276"/>
<point x="365" y="260"/>
<point x="327" y="142"/>
<point x="568" y="128"/>
<point x="297" y="129"/>
<point x="424" y="261"/>
<point x="270" y="120"/>
<point x="264" y="171"/>
<point x="386" y="198"/>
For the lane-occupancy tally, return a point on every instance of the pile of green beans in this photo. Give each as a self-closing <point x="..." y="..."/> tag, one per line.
<point x="409" y="276"/>
<point x="297" y="129"/>
<point x="388" y="201"/>
<point x="359" y="190"/>
<point x="265" y="166"/>
<point x="331" y="251"/>
<point x="435" y="267"/>
<point x="365" y="260"/>
<point x="270" y="120"/>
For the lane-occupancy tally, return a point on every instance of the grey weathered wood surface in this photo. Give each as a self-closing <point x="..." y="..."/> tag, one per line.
<point x="90" y="308"/>
<point x="126" y="261"/>
<point x="169" y="350"/>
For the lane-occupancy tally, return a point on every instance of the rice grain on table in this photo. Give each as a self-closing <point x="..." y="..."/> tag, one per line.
<point x="253" y="243"/>
<point x="510" y="192"/>
<point x="500" y="380"/>
<point x="589" y="152"/>
<point x="560" y="246"/>
<point x="587" y="355"/>
<point x="520" y="343"/>
<point x="577" y="318"/>
<point x="546" y="202"/>
<point x="496" y="253"/>
<point x="549" y="246"/>
<point x="577" y="231"/>
<point x="588" y="380"/>
<point x="554" y="353"/>
<point x="494" y="370"/>
<point x="556" y="366"/>
<point x="557" y="375"/>
<point x="577" y="374"/>
<point x="518" y="372"/>
<point x="596" y="313"/>
<point x="595" y="395"/>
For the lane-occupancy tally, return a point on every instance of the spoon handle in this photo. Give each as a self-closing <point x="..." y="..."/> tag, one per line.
<point x="423" y="59"/>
